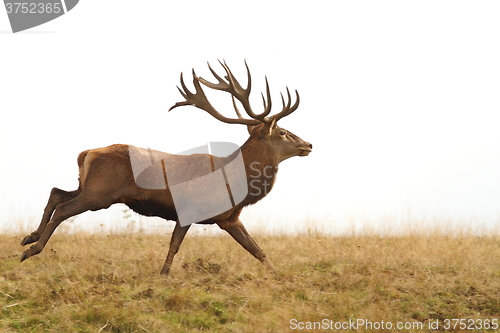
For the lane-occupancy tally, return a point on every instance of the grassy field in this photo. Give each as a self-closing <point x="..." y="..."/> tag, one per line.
<point x="101" y="283"/>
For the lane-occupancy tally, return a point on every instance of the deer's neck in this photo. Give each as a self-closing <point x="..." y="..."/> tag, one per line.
<point x="261" y="169"/>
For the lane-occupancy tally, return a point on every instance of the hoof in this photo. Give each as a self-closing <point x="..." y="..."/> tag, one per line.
<point x="24" y="256"/>
<point x="27" y="240"/>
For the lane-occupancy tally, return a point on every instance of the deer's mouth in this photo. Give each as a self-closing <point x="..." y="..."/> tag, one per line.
<point x="304" y="151"/>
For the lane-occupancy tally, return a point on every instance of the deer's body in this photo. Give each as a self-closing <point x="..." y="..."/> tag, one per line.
<point x="114" y="165"/>
<point x="106" y="178"/>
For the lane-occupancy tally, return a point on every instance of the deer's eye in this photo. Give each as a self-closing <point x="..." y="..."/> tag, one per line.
<point x="282" y="132"/>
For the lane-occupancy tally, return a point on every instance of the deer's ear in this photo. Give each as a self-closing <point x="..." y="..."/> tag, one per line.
<point x="250" y="128"/>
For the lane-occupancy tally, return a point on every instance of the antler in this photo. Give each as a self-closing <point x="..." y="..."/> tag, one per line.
<point x="232" y="86"/>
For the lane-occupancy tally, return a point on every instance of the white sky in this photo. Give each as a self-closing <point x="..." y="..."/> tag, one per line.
<point x="400" y="100"/>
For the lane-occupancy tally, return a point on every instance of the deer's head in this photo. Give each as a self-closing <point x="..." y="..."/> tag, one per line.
<point x="263" y="129"/>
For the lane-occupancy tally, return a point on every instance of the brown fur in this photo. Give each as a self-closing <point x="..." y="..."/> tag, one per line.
<point x="106" y="177"/>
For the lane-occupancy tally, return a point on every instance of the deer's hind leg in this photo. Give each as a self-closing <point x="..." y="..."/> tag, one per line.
<point x="81" y="203"/>
<point x="57" y="196"/>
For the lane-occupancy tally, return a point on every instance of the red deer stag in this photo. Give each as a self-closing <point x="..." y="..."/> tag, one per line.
<point x="107" y="176"/>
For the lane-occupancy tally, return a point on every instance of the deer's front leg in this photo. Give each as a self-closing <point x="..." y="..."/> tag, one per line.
<point x="238" y="231"/>
<point x="175" y="242"/>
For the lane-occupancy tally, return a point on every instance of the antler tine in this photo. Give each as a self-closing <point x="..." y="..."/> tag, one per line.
<point x="221" y="85"/>
<point x="231" y="85"/>
<point x="236" y="108"/>
<point x="239" y="93"/>
<point x="288" y="108"/>
<point x="236" y="86"/>
<point x="184" y="94"/>
<point x="199" y="100"/>
<point x="268" y="104"/>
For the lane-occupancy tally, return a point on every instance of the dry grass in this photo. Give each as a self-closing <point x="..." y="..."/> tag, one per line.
<point x="111" y="284"/>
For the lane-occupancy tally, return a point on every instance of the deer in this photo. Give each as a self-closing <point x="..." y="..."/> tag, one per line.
<point x="106" y="176"/>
